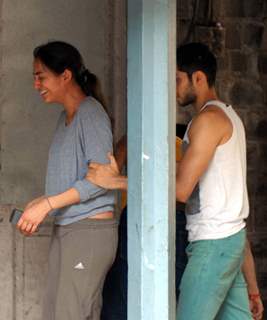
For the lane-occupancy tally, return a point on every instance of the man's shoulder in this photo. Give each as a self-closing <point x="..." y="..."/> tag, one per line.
<point x="211" y="117"/>
<point x="211" y="123"/>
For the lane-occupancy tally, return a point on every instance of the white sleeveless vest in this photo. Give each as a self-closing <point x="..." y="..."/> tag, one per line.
<point x="219" y="203"/>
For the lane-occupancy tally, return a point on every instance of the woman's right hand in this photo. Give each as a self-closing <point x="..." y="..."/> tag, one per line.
<point x="34" y="213"/>
<point x="33" y="202"/>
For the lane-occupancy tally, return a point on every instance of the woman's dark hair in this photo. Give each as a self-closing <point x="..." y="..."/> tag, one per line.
<point x="194" y="57"/>
<point x="59" y="56"/>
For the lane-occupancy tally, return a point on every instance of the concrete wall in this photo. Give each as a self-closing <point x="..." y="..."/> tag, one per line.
<point x="241" y="46"/>
<point x="96" y="28"/>
<point x="27" y="123"/>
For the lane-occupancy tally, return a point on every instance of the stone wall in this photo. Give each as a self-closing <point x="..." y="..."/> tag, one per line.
<point x="237" y="32"/>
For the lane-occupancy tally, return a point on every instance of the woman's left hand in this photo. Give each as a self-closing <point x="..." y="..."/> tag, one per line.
<point x="33" y="216"/>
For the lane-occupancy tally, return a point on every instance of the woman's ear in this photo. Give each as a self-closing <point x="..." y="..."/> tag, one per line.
<point x="67" y="75"/>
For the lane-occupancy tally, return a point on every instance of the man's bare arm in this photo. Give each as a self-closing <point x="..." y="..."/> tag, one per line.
<point x="209" y="129"/>
<point x="249" y="272"/>
<point x="121" y="152"/>
<point x="107" y="176"/>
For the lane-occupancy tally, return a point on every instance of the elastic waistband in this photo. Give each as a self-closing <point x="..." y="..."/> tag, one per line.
<point x="90" y="223"/>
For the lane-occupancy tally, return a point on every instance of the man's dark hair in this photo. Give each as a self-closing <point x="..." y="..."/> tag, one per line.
<point x="180" y="130"/>
<point x="194" y="57"/>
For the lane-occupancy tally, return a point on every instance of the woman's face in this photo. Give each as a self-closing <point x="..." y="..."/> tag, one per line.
<point x="50" y="85"/>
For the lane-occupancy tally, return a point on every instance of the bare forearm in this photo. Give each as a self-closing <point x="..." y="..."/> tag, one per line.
<point x="67" y="198"/>
<point x="119" y="183"/>
<point x="121" y="152"/>
<point x="37" y="210"/>
<point x="249" y="271"/>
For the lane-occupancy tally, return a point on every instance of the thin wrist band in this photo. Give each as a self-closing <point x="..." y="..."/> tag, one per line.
<point x="49" y="203"/>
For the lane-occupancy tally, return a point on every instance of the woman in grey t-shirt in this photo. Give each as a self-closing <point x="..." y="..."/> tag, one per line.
<point x="84" y="238"/>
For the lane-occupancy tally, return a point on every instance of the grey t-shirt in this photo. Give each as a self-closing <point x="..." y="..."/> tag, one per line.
<point x="87" y="138"/>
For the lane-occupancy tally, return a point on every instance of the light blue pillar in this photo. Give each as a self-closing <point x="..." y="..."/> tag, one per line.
<point x="151" y="158"/>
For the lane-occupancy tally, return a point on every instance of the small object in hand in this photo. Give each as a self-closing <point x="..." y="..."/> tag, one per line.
<point x="15" y="216"/>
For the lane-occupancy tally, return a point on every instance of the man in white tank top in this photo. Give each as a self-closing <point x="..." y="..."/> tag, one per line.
<point x="211" y="180"/>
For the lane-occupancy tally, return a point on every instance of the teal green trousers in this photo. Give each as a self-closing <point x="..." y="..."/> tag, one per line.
<point x="213" y="285"/>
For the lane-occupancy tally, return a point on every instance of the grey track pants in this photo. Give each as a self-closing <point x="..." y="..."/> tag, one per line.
<point x="80" y="256"/>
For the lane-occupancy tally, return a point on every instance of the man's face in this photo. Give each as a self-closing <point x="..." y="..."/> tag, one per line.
<point x="185" y="92"/>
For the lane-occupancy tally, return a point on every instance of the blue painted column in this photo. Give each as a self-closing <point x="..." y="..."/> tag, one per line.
<point x="151" y="159"/>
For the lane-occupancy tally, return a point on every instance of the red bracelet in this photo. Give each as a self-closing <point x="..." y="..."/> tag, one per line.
<point x="254" y="296"/>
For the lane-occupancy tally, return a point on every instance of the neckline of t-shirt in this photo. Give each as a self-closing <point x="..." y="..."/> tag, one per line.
<point x="75" y="116"/>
